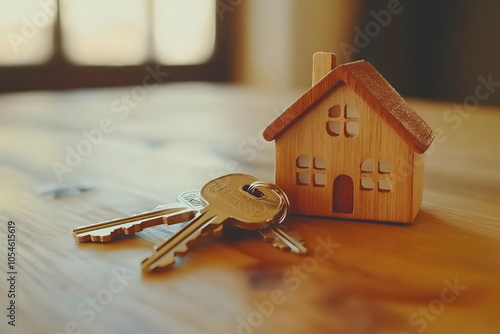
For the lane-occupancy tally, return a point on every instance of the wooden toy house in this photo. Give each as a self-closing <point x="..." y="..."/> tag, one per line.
<point x="351" y="147"/>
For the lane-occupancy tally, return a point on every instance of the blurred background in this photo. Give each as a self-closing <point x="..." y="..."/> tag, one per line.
<point x="428" y="49"/>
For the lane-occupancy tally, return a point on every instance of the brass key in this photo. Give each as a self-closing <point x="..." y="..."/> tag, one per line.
<point x="276" y="235"/>
<point x="227" y="203"/>
<point x="174" y="213"/>
<point x="283" y="240"/>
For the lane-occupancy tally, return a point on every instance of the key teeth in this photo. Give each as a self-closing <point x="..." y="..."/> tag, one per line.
<point x="135" y="227"/>
<point x="282" y="246"/>
<point x="296" y="236"/>
<point x="181" y="249"/>
<point x="113" y="235"/>
<point x="163" y="263"/>
<point x="94" y="238"/>
<point x="102" y="238"/>
<point x="270" y="237"/>
<point x="166" y="262"/>
<point x="217" y="232"/>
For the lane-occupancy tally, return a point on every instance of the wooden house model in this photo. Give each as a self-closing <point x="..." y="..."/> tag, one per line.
<point x="350" y="147"/>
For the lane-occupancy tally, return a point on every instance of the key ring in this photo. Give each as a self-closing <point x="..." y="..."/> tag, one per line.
<point x="278" y="191"/>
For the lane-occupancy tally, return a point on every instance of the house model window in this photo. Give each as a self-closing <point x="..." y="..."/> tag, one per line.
<point x="343" y="121"/>
<point x="306" y="168"/>
<point x="369" y="176"/>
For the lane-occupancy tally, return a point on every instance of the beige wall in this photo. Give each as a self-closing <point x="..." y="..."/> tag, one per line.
<point x="279" y="37"/>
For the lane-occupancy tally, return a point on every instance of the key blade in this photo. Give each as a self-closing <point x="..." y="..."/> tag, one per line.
<point x="294" y="245"/>
<point x="164" y="262"/>
<point x="107" y="230"/>
<point x="164" y="254"/>
<point x="111" y="233"/>
<point x="285" y="241"/>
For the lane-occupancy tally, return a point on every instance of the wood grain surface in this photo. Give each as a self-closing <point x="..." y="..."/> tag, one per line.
<point x="438" y="275"/>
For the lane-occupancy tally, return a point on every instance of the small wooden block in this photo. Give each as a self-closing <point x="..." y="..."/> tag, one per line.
<point x="323" y="63"/>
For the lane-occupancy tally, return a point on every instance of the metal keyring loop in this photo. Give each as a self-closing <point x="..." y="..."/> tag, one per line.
<point x="282" y="195"/>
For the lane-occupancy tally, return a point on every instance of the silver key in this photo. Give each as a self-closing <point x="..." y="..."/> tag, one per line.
<point x="227" y="203"/>
<point x="287" y="241"/>
<point x="174" y="213"/>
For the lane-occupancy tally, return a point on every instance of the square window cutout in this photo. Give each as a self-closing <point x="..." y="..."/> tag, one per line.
<point x="303" y="161"/>
<point x="303" y="178"/>
<point x="319" y="163"/>
<point x="368" y="166"/>
<point x="367" y="183"/>
<point x="320" y="179"/>
<point x="334" y="111"/>
<point x="351" y="129"/>
<point x="334" y="128"/>
<point x="384" y="167"/>
<point x="351" y="112"/>
<point x="385" y="184"/>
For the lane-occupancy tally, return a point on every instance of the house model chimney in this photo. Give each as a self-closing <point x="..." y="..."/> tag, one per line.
<point x="323" y="63"/>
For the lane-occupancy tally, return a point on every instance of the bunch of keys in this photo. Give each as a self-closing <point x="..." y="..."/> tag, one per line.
<point x="235" y="199"/>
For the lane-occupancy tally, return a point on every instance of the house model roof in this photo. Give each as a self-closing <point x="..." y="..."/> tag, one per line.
<point x="368" y="83"/>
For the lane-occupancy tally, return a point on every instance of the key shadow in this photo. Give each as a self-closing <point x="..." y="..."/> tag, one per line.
<point x="184" y="263"/>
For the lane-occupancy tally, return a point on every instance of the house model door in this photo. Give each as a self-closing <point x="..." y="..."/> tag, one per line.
<point x="343" y="194"/>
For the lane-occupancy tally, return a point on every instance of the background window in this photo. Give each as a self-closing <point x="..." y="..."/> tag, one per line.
<point x="95" y="33"/>
<point x="27" y="32"/>
<point x="65" y="44"/>
<point x="184" y="36"/>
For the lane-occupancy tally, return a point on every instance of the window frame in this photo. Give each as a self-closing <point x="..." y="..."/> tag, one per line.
<point x="343" y="120"/>
<point x="311" y="170"/>
<point x="60" y="74"/>
<point x="376" y="175"/>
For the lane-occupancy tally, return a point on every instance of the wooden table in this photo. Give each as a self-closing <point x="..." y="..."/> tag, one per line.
<point x="439" y="275"/>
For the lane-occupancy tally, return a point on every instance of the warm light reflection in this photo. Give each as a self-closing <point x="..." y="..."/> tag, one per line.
<point x="184" y="31"/>
<point x="26" y="28"/>
<point x="109" y="32"/>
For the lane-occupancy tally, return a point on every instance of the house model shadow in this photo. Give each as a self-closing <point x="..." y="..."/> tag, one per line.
<point x="351" y="147"/>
